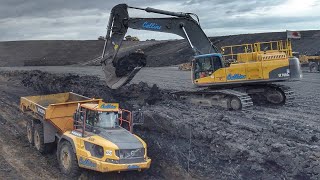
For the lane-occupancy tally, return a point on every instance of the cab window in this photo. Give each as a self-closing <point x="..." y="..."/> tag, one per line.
<point x="205" y="66"/>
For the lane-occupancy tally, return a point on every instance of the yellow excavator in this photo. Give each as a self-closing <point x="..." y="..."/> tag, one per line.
<point x="233" y="83"/>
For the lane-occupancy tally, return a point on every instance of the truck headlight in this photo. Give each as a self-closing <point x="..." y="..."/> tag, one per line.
<point x="113" y="161"/>
<point x="94" y="149"/>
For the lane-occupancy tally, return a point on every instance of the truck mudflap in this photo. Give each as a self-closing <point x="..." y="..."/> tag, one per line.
<point x="101" y="166"/>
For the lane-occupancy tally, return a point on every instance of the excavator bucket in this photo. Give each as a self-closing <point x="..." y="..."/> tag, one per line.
<point x="121" y="71"/>
<point x="117" y="72"/>
<point x="115" y="82"/>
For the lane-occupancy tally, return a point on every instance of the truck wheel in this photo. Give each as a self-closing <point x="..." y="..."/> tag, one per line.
<point x="67" y="159"/>
<point x="39" y="138"/>
<point x="313" y="67"/>
<point x="30" y="132"/>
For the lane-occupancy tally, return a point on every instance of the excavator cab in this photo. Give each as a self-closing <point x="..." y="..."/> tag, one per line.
<point x="205" y="65"/>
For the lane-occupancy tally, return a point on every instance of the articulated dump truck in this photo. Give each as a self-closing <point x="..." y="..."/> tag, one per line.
<point x="89" y="133"/>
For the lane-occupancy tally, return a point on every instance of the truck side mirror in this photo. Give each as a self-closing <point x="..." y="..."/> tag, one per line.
<point x="137" y="117"/>
<point x="75" y="116"/>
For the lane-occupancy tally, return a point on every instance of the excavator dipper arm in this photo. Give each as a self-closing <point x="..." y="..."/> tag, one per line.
<point x="181" y="24"/>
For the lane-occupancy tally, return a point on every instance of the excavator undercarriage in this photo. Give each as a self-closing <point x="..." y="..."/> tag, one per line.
<point x="239" y="97"/>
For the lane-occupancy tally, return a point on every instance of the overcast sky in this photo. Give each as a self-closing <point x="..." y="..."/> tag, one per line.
<point x="87" y="19"/>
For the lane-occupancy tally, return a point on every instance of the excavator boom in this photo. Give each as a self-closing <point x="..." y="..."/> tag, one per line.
<point x="181" y="24"/>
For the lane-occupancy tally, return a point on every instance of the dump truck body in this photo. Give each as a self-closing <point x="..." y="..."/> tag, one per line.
<point x="89" y="128"/>
<point x="313" y="62"/>
<point x="56" y="109"/>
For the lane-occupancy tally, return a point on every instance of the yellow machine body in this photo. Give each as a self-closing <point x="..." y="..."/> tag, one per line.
<point x="305" y="59"/>
<point x="109" y="162"/>
<point x="59" y="109"/>
<point x="250" y="65"/>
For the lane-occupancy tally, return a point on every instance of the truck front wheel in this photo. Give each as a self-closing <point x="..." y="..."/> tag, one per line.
<point x="313" y="67"/>
<point x="67" y="159"/>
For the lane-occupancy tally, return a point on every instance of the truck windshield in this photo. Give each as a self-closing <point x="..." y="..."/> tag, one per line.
<point x="107" y="120"/>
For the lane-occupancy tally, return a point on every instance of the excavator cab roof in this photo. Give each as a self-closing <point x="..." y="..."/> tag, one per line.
<point x="208" y="55"/>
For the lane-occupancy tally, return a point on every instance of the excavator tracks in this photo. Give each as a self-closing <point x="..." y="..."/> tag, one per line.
<point x="227" y="98"/>
<point x="280" y="94"/>
<point x="239" y="97"/>
<point x="245" y="99"/>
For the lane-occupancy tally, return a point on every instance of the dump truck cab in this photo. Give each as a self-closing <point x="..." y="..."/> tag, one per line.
<point x="89" y="133"/>
<point x="105" y="143"/>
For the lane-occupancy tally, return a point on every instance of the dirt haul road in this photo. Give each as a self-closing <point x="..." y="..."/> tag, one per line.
<point x="264" y="142"/>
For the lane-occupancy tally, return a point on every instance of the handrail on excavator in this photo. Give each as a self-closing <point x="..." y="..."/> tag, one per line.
<point x="231" y="52"/>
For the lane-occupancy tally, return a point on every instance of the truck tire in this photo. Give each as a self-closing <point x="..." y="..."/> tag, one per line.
<point x="39" y="138"/>
<point x="67" y="159"/>
<point x="313" y="67"/>
<point x="30" y="132"/>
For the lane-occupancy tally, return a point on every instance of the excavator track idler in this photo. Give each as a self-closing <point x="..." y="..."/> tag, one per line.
<point x="235" y="103"/>
<point x="272" y="93"/>
<point x="274" y="96"/>
<point x="284" y="93"/>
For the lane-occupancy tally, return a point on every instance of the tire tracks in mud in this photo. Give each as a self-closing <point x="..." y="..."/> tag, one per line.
<point x="19" y="159"/>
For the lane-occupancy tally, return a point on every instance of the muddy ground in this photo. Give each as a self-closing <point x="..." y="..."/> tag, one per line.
<point x="264" y="142"/>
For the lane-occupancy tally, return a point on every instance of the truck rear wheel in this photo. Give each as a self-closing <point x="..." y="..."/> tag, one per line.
<point x="39" y="138"/>
<point x="313" y="67"/>
<point x="30" y="132"/>
<point x="67" y="159"/>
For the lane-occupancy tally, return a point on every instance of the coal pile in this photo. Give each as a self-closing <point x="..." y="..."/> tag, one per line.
<point x="125" y="65"/>
<point x="133" y="94"/>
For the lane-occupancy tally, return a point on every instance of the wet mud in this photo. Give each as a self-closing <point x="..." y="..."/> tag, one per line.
<point x="184" y="140"/>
